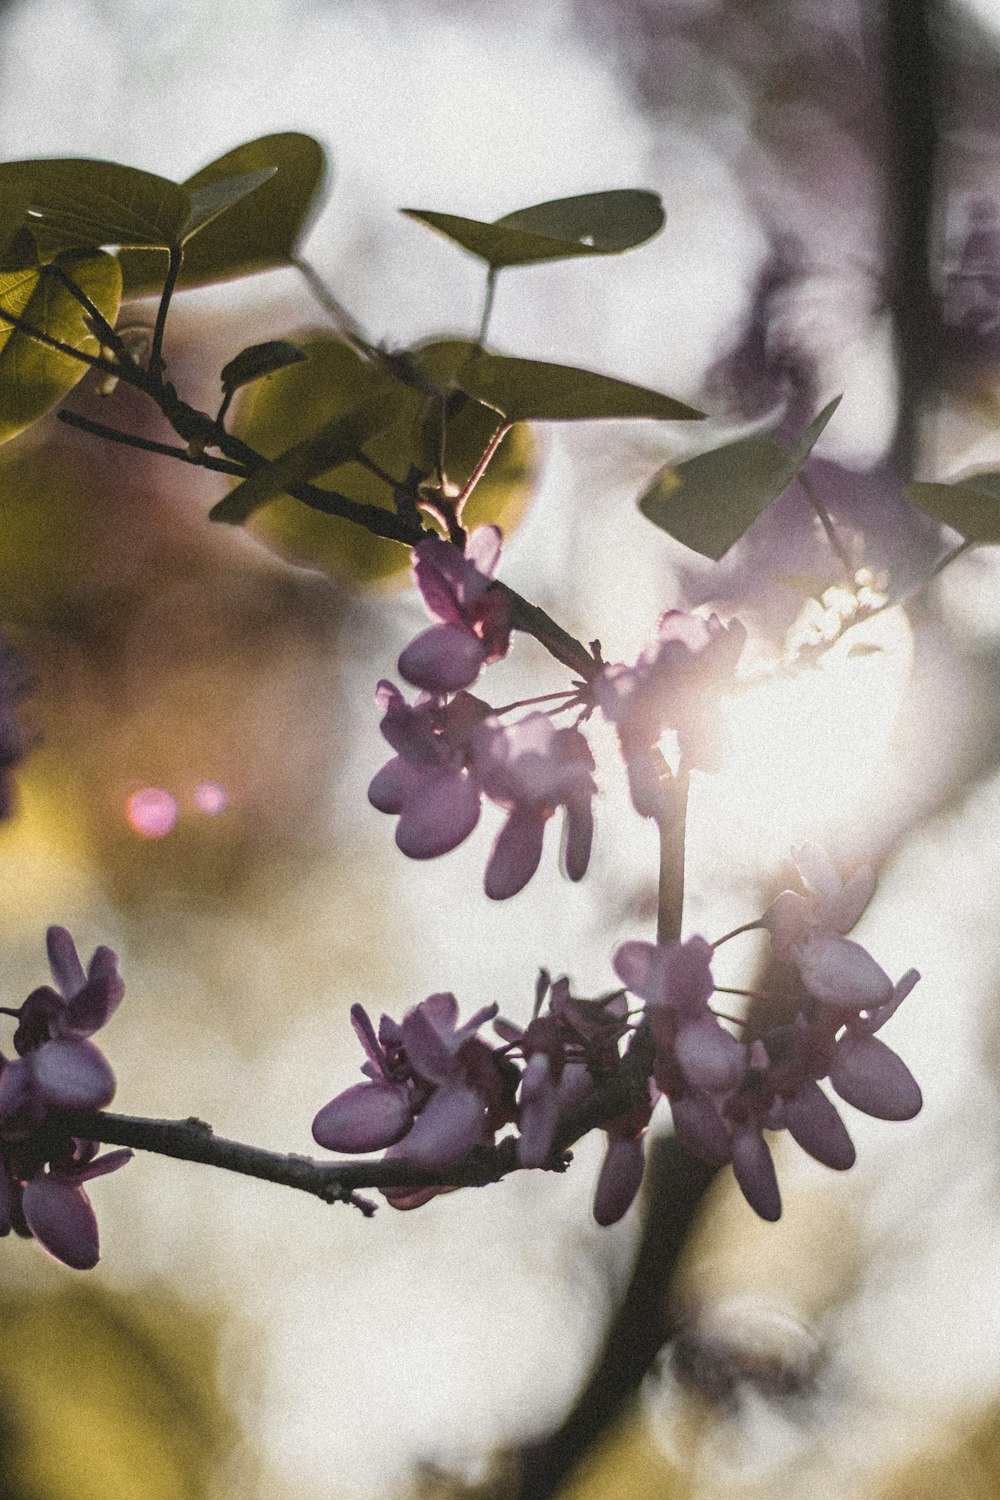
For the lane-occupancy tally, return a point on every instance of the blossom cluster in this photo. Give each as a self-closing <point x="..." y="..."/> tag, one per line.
<point x="436" y="1090"/>
<point x="452" y="749"/>
<point x="43" y="1167"/>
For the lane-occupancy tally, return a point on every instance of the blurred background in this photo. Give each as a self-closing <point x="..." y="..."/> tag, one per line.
<point x="206" y="730"/>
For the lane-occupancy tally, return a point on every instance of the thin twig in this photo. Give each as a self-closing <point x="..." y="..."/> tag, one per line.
<point x="132" y="440"/>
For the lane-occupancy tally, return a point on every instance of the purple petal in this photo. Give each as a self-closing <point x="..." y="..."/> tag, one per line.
<point x="451" y="1123"/>
<point x="788" y="919"/>
<point x="72" y="1074"/>
<point x="389" y="788"/>
<point x="813" y="1122"/>
<point x="710" y="1057"/>
<point x="483" y="549"/>
<point x="869" y="1075"/>
<point x="818" y="873"/>
<point x="64" y="961"/>
<point x="443" y="659"/>
<point x="846" y="907"/>
<point x="516" y="853"/>
<point x="538" y="1113"/>
<point x="877" y="1018"/>
<point x="448" y="581"/>
<point x="634" y="962"/>
<point x="698" y="1126"/>
<point x="365" y="1033"/>
<point x="101" y="1165"/>
<point x="15" y="1087"/>
<point x="579" y="837"/>
<point x="60" y="1217"/>
<point x="365" y="1117"/>
<point x="427" y="1044"/>
<point x="98" y="1000"/>
<point x="439" y="816"/>
<point x="754" y="1171"/>
<point x="620" y="1180"/>
<point x="839" y="972"/>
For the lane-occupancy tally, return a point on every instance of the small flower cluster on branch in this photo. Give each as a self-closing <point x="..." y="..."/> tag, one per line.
<point x="42" y="1167"/>
<point x="437" y="1090"/>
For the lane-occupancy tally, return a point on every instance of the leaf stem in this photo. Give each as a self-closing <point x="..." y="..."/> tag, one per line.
<point x="483" y="464"/>
<point x="159" y="328"/>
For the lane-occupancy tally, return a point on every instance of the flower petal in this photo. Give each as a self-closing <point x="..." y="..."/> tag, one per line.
<point x="365" y="1117"/>
<point x="620" y="1180"/>
<point x="699" y="1127"/>
<point x="443" y="659"/>
<point x="839" y="972"/>
<point x="753" y="1167"/>
<point x="62" y="1220"/>
<point x="450" y="1124"/>
<point x="516" y="853"/>
<point x="813" y="1123"/>
<point x="438" y="816"/>
<point x="579" y="837"/>
<point x="71" y="1074"/>
<point x="869" y="1075"/>
<point x="64" y="961"/>
<point x="710" y="1057"/>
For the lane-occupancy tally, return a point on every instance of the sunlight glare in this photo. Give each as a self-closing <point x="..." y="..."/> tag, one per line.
<point x="810" y="746"/>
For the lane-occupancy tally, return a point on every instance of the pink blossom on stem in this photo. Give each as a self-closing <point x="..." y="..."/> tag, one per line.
<point x="475" y="620"/>
<point x="435" y="1090"/>
<point x="676" y="683"/>
<point x="532" y="768"/>
<point x="809" y="931"/>
<point x="430" y="784"/>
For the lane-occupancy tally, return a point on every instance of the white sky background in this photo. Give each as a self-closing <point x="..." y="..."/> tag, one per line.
<point x="462" y="1325"/>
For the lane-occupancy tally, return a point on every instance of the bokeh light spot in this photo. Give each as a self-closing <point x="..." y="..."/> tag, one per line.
<point x="209" y="798"/>
<point x="151" y="812"/>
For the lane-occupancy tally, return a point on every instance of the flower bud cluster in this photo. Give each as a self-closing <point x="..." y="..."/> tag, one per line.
<point x="451" y="751"/>
<point x="451" y="748"/>
<point x="42" y="1166"/>
<point x="436" y="1090"/>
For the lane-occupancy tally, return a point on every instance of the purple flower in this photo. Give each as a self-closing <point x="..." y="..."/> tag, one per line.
<point x="809" y="930"/>
<point x="475" y="620"/>
<point x="567" y="1050"/>
<point x="531" y="769"/>
<point x="58" y="1067"/>
<point x="434" y="1089"/>
<point x="429" y="784"/>
<point x="675" y="684"/>
<point x="51" y="1205"/>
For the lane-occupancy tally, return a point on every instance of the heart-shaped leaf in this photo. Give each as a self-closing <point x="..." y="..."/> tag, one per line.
<point x="707" y="502"/>
<point x="971" y="507"/>
<point x="257" y="361"/>
<point x="590" y="224"/>
<point x="215" y="198"/>
<point x="81" y="202"/>
<point x="256" y="233"/>
<point x="33" y="376"/>
<point x="533" y="390"/>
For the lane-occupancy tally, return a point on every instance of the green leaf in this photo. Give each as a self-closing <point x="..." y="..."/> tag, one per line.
<point x="532" y="390"/>
<point x="337" y="441"/>
<point x="288" y="406"/>
<point x="257" y="233"/>
<point x="34" y="377"/>
<point x="707" y="502"/>
<point x="260" y="359"/>
<point x="81" y="202"/>
<point x="591" y="224"/>
<point x="215" y="198"/>
<point x="972" y="507"/>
